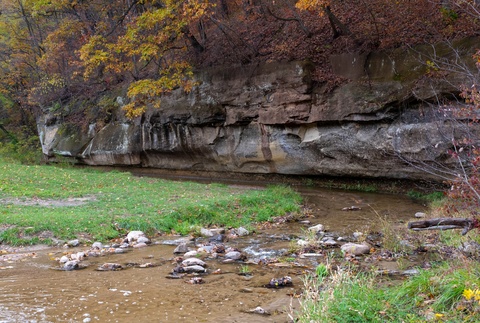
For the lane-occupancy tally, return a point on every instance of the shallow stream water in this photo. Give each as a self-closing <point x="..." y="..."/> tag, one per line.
<point x="31" y="291"/>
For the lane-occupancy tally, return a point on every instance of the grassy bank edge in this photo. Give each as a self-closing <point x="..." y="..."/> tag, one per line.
<point x="117" y="202"/>
<point x="443" y="287"/>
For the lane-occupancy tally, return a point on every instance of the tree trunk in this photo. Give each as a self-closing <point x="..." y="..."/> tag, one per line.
<point x="443" y="224"/>
<point x="335" y="22"/>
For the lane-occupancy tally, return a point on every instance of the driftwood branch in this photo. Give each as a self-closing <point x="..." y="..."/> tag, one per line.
<point x="443" y="224"/>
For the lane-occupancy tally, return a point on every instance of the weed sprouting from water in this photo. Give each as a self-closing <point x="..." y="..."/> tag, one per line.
<point x="245" y="270"/>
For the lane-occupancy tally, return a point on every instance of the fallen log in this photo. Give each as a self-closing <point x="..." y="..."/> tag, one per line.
<point x="444" y="224"/>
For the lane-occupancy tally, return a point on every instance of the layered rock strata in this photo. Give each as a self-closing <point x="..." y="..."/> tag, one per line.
<point x="273" y="118"/>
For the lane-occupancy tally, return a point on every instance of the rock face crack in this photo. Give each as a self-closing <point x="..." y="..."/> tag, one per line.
<point x="265" y="143"/>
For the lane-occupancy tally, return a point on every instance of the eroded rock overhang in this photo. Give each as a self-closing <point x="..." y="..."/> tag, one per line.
<point x="273" y="118"/>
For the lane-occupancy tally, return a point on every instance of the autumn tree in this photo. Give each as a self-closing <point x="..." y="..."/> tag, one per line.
<point x="151" y="49"/>
<point x="21" y="37"/>
<point x="53" y="52"/>
<point x="325" y="8"/>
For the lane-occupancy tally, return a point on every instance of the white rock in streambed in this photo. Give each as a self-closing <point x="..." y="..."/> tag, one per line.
<point x="329" y="242"/>
<point x="194" y="262"/>
<point x="181" y="248"/>
<point x="97" y="245"/>
<point x="309" y="255"/>
<point x="64" y="259"/>
<point x="206" y="233"/>
<point x="357" y="234"/>
<point x="242" y="232"/>
<point x="217" y="230"/>
<point x="77" y="256"/>
<point x="109" y="266"/>
<point x="134" y="235"/>
<point x="143" y="240"/>
<point x="190" y="269"/>
<point x="190" y="254"/>
<point x="234" y="255"/>
<point x="302" y="243"/>
<point x="355" y="248"/>
<point x="258" y="310"/>
<point x="317" y="228"/>
<point x="71" y="265"/>
<point x="73" y="243"/>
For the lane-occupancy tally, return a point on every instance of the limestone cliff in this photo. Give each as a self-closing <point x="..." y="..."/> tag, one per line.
<point x="273" y="118"/>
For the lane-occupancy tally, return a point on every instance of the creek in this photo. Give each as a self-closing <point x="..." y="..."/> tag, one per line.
<point x="31" y="291"/>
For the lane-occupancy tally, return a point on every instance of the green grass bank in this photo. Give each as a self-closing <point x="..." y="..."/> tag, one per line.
<point x="444" y="285"/>
<point x="42" y="202"/>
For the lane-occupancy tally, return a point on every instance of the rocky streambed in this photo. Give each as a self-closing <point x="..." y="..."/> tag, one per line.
<point x="219" y="275"/>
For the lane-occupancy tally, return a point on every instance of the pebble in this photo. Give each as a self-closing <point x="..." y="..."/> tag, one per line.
<point x="143" y="240"/>
<point x="280" y="282"/>
<point x="357" y="234"/>
<point x="181" y="248"/>
<point x="71" y="265"/>
<point x="218" y="230"/>
<point x="194" y="262"/>
<point x="420" y="215"/>
<point x="352" y="208"/>
<point x="258" y="310"/>
<point x="205" y="249"/>
<point x="196" y="280"/>
<point x="407" y="244"/>
<point x="134" y="235"/>
<point x="317" y="228"/>
<point x="411" y="272"/>
<point x="110" y="266"/>
<point x="97" y="245"/>
<point x="330" y="242"/>
<point x="217" y="238"/>
<point x="63" y="259"/>
<point x="241" y="231"/>
<point x="305" y="255"/>
<point x="234" y="255"/>
<point x="73" y="243"/>
<point x="178" y="241"/>
<point x="206" y="233"/>
<point x="355" y="248"/>
<point x="190" y="254"/>
<point x="302" y="243"/>
<point x="81" y="255"/>
<point x="174" y="276"/>
<point x="193" y="269"/>
<point x="470" y="248"/>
